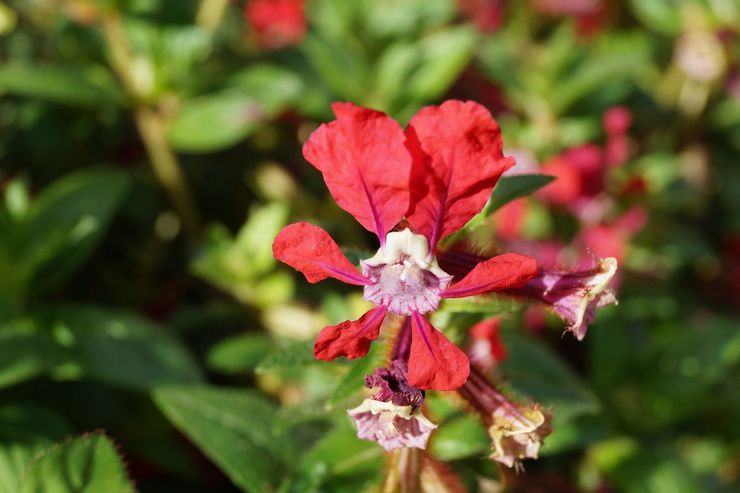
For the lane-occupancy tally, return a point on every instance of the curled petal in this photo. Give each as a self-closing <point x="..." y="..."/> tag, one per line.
<point x="518" y="433"/>
<point x="312" y="251"/>
<point x="510" y="270"/>
<point x="366" y="165"/>
<point x="391" y="425"/>
<point x="351" y="338"/>
<point x="458" y="159"/>
<point x="573" y="295"/>
<point x="435" y="363"/>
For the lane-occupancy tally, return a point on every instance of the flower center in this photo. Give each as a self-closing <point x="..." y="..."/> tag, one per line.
<point x="404" y="276"/>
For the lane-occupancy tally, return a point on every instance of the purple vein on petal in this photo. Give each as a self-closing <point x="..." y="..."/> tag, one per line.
<point x="421" y="327"/>
<point x="346" y="276"/>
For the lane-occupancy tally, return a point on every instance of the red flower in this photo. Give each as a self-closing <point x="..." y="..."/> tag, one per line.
<point x="276" y="23"/>
<point x="487" y="348"/>
<point x="485" y="14"/>
<point x="437" y="174"/>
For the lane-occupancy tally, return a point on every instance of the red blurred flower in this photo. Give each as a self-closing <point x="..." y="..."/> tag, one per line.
<point x="437" y="174"/>
<point x="485" y="14"/>
<point x="611" y="240"/>
<point x="590" y="15"/>
<point x="487" y="349"/>
<point x="617" y="121"/>
<point x="276" y="23"/>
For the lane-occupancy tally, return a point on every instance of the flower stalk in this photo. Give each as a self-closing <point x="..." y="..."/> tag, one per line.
<point x="150" y="123"/>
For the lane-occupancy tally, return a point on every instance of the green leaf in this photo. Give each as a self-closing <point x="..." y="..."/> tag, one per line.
<point x="461" y="437"/>
<point x="68" y="221"/>
<point x="26" y="351"/>
<point x="354" y="379"/>
<point x="243" y="265"/>
<point x="220" y="120"/>
<point x="358" y="466"/>
<point x="507" y="189"/>
<point x="637" y="469"/>
<point x="234" y="428"/>
<point x="293" y="355"/>
<point x="510" y="188"/>
<point x="213" y="122"/>
<point x="24" y="432"/>
<point x="119" y="348"/>
<point x="271" y="85"/>
<point x="340" y="65"/>
<point x="444" y="54"/>
<point x="59" y="84"/>
<point x="89" y="463"/>
<point x="533" y="369"/>
<point x="238" y="354"/>
<point x="663" y="16"/>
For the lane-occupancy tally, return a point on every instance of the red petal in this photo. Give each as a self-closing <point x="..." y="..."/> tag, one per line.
<point x="435" y="363"/>
<point x="510" y="270"/>
<point x="458" y="159"/>
<point x="366" y="165"/>
<point x="351" y="338"/>
<point x="311" y="250"/>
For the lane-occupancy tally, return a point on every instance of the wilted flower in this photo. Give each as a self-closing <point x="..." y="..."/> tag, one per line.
<point x="437" y="174"/>
<point x="390" y="425"/>
<point x="574" y="295"/>
<point x="517" y="431"/>
<point x="392" y="417"/>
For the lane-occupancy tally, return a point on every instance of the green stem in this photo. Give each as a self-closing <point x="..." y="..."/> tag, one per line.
<point x="152" y="126"/>
<point x="210" y="14"/>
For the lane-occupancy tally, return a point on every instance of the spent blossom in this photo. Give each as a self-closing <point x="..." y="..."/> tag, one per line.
<point x="517" y="431"/>
<point x="574" y="295"/>
<point x="435" y="175"/>
<point x="392" y="417"/>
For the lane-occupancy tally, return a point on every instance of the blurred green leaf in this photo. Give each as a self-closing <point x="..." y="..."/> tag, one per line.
<point x="67" y="222"/>
<point x="533" y="369"/>
<point x="341" y="67"/>
<point x="358" y="466"/>
<point x="404" y="18"/>
<point x="510" y="188"/>
<point x="234" y="428"/>
<point x="238" y="354"/>
<point x="119" y="348"/>
<point x="291" y="356"/>
<point x="24" y="433"/>
<point x="59" y="84"/>
<point x="88" y="463"/>
<point x="663" y="16"/>
<point x="272" y="86"/>
<point x="461" y="437"/>
<point x="242" y="265"/>
<point x="644" y="470"/>
<point x="443" y="55"/>
<point x="354" y="379"/>
<point x="26" y="351"/>
<point x="215" y="121"/>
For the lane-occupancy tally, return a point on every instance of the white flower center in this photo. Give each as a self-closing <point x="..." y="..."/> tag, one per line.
<point x="405" y="276"/>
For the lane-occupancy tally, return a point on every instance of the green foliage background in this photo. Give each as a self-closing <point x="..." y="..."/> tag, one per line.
<point x="150" y="150"/>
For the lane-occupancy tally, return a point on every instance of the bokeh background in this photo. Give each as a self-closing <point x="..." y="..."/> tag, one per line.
<point x="151" y="149"/>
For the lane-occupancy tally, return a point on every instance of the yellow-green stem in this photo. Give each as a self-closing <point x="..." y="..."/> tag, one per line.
<point x="210" y="14"/>
<point x="152" y="126"/>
